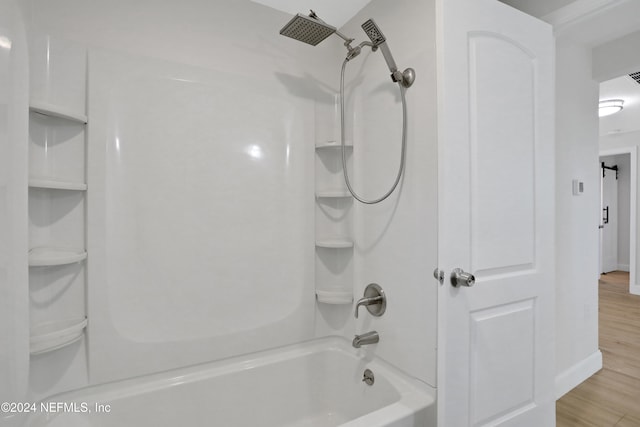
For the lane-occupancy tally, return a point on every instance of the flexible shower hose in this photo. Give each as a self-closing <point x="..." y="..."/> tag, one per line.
<point x="342" y="143"/>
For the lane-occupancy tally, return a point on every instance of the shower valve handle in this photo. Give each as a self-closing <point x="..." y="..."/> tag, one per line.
<point x="374" y="299"/>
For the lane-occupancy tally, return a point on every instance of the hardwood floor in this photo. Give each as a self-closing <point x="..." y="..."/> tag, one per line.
<point x="612" y="396"/>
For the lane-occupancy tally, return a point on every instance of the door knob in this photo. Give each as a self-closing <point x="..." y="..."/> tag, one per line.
<point x="439" y="275"/>
<point x="460" y="278"/>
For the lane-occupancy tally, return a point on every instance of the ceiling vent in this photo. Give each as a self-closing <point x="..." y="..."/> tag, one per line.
<point x="635" y="76"/>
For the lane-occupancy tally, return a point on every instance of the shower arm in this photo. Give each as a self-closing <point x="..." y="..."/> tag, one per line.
<point x="347" y="40"/>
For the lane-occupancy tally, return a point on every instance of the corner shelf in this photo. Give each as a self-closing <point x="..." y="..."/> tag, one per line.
<point x="334" y="206"/>
<point x="54" y="335"/>
<point x="56" y="185"/>
<point x="334" y="243"/>
<point x="333" y="194"/>
<point x="332" y="144"/>
<point x="49" y="256"/>
<point x="335" y="295"/>
<point x="57" y="111"/>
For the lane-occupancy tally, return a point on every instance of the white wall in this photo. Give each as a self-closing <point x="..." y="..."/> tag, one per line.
<point x="14" y="321"/>
<point x="577" y="217"/>
<point x="396" y="244"/>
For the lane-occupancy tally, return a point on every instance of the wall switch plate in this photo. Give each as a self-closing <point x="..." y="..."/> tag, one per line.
<point x="578" y="187"/>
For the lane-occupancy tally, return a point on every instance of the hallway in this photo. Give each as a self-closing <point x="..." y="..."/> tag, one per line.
<point x="611" y="397"/>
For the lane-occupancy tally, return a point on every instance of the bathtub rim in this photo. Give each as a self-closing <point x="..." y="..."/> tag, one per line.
<point x="415" y="395"/>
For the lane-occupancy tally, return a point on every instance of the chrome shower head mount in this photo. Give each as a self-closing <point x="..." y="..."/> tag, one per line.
<point x="406" y="77"/>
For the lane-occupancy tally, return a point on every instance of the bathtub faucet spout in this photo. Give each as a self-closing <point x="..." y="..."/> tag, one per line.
<point x="365" y="339"/>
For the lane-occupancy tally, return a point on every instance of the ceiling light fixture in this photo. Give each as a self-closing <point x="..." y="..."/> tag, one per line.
<point x="609" y="107"/>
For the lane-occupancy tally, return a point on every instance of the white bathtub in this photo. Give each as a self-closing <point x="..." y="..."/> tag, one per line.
<point x="317" y="383"/>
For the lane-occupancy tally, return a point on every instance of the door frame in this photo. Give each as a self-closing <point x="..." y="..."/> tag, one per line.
<point x="634" y="288"/>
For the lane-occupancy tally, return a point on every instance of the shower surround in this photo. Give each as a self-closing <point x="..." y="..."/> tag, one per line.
<point x="201" y="208"/>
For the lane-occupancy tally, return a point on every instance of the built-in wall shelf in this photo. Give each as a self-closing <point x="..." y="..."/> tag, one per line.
<point x="51" y="336"/>
<point x="48" y="256"/>
<point x="332" y="144"/>
<point x="333" y="194"/>
<point x="57" y="111"/>
<point x="334" y="296"/>
<point x="56" y="185"/>
<point x="57" y="193"/>
<point x="334" y="243"/>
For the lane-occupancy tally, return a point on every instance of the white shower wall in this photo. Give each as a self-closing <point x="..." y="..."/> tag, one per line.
<point x="200" y="201"/>
<point x="396" y="240"/>
<point x="201" y="215"/>
<point x="14" y="330"/>
<point x="200" y="159"/>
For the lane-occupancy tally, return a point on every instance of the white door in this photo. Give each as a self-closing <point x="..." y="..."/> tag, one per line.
<point x="609" y="219"/>
<point x="496" y="216"/>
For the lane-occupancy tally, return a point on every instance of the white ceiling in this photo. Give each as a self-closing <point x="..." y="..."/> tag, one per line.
<point x="538" y="8"/>
<point x="610" y="21"/>
<point x="627" y="120"/>
<point x="333" y="12"/>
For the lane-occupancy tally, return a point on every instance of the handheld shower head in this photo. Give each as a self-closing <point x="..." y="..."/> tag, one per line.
<point x="378" y="39"/>
<point x="374" y="33"/>
<point x="406" y="77"/>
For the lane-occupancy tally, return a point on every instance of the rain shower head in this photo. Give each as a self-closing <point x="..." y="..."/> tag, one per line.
<point x="307" y="29"/>
<point x="312" y="30"/>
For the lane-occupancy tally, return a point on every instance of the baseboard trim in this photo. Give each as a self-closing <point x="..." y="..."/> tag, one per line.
<point x="623" y="267"/>
<point x="576" y="374"/>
